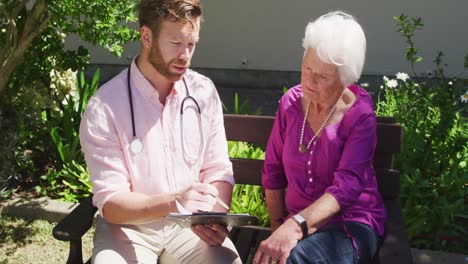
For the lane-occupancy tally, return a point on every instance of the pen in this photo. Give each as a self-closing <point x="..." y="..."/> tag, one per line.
<point x="217" y="199"/>
<point x="221" y="202"/>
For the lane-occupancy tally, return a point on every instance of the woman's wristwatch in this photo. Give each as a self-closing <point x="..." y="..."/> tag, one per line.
<point x="300" y="220"/>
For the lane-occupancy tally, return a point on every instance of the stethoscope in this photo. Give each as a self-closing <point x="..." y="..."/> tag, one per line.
<point x="136" y="146"/>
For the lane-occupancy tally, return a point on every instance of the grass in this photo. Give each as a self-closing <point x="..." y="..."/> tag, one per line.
<point x="30" y="241"/>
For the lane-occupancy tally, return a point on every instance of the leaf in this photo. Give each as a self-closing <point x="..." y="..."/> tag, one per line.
<point x="58" y="142"/>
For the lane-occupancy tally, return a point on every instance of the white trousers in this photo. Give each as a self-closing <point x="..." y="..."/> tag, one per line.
<point x="162" y="242"/>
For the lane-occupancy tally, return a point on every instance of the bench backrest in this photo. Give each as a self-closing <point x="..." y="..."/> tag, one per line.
<point x="256" y="129"/>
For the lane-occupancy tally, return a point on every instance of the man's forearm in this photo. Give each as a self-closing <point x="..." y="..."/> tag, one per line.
<point x="225" y="194"/>
<point x="138" y="208"/>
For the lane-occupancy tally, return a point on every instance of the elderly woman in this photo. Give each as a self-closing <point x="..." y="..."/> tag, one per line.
<point x="321" y="189"/>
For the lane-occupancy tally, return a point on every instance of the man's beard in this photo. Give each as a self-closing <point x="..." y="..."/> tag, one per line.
<point x="156" y="59"/>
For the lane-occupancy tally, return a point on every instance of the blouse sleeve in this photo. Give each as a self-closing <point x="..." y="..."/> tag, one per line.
<point x="273" y="175"/>
<point x="351" y="176"/>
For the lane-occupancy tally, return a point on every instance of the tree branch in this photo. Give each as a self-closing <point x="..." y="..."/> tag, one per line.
<point x="2" y="9"/>
<point x="34" y="24"/>
<point x="15" y="36"/>
<point x="18" y="7"/>
<point x="16" y="11"/>
<point x="5" y="48"/>
<point x="37" y="30"/>
<point x="38" y="10"/>
<point x="9" y="38"/>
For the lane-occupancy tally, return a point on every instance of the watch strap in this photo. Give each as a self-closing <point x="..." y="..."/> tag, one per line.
<point x="301" y="221"/>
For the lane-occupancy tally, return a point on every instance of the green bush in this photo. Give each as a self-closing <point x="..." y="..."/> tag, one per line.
<point x="69" y="178"/>
<point x="32" y="46"/>
<point x="243" y="108"/>
<point x="435" y="150"/>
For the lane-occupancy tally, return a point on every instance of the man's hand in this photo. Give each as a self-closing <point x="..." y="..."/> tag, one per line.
<point x="212" y="234"/>
<point x="278" y="246"/>
<point x="197" y="197"/>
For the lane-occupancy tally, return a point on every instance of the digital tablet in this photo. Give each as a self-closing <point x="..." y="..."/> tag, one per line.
<point x="204" y="218"/>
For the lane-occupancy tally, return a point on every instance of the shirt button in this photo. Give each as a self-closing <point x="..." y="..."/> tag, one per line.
<point x="308" y="163"/>
<point x="311" y="152"/>
<point x="311" y="180"/>
<point x="309" y="171"/>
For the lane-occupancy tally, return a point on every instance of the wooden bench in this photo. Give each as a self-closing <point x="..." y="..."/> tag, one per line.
<point x="256" y="129"/>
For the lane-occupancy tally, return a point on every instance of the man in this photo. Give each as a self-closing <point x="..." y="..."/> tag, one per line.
<point x="154" y="143"/>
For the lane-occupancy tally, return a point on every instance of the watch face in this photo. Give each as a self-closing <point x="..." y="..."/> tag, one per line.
<point x="298" y="218"/>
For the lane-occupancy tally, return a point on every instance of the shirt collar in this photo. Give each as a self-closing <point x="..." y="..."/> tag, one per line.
<point x="139" y="81"/>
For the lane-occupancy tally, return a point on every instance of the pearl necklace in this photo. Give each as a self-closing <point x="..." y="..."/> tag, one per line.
<point x="303" y="148"/>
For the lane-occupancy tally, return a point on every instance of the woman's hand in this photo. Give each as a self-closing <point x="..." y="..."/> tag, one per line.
<point x="212" y="234"/>
<point x="278" y="246"/>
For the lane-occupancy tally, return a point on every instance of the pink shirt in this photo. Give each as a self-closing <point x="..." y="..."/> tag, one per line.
<point x="106" y="134"/>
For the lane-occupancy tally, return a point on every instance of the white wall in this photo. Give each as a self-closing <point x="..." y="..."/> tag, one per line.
<point x="268" y="33"/>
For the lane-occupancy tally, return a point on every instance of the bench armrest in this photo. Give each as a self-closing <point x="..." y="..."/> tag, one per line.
<point x="247" y="239"/>
<point x="76" y="223"/>
<point x="388" y="181"/>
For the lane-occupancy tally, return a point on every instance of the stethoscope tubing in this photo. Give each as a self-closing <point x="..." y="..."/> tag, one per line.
<point x="188" y="157"/>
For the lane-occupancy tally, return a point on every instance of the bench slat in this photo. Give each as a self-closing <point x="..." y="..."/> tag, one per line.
<point x="254" y="129"/>
<point x="247" y="171"/>
<point x="386" y="119"/>
<point x="389" y="138"/>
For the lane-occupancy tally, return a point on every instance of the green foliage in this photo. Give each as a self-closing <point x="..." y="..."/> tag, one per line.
<point x="76" y="178"/>
<point x="71" y="179"/>
<point x="32" y="37"/>
<point x="243" y="108"/>
<point x="9" y="174"/>
<point x="248" y="198"/>
<point x="46" y="23"/>
<point x="435" y="151"/>
<point x="22" y="141"/>
<point x="407" y="26"/>
<point x="245" y="150"/>
<point x="99" y="22"/>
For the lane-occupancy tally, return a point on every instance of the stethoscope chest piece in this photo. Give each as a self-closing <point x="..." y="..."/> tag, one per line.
<point x="136" y="146"/>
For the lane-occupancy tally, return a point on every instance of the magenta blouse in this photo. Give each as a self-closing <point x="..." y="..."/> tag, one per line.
<point x="340" y="163"/>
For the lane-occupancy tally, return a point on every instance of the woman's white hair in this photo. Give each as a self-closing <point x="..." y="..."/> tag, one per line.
<point x="338" y="39"/>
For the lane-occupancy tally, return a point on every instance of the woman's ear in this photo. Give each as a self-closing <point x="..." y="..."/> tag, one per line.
<point x="146" y="36"/>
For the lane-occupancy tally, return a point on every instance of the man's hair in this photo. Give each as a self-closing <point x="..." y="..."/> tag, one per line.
<point x="338" y="39"/>
<point x="153" y="12"/>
